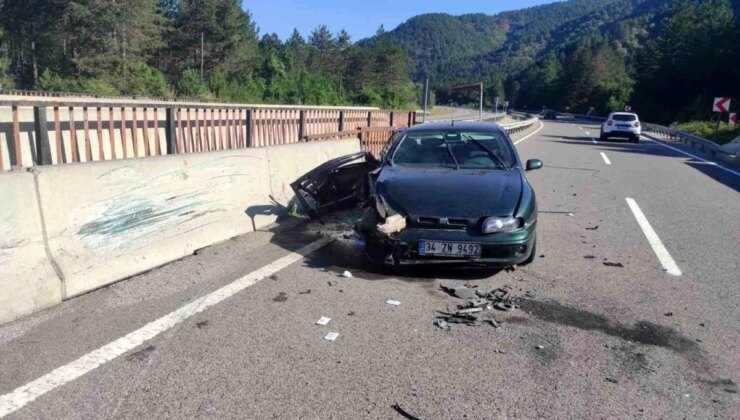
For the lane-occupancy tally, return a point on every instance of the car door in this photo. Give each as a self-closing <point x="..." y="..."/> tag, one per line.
<point x="338" y="183"/>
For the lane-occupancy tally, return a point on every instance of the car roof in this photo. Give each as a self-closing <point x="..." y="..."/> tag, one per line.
<point x="624" y="113"/>
<point x="457" y="125"/>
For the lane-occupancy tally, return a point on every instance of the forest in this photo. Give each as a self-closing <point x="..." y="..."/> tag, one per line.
<point x="666" y="58"/>
<point x="201" y="49"/>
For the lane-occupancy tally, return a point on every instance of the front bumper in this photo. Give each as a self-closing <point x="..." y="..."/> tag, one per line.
<point x="497" y="250"/>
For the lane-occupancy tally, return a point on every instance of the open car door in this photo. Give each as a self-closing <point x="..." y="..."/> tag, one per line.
<point x="338" y="183"/>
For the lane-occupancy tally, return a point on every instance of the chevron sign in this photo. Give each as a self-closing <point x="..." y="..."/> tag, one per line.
<point x="721" y="105"/>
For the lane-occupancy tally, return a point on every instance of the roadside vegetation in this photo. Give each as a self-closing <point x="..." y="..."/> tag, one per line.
<point x="707" y="129"/>
<point x="204" y="49"/>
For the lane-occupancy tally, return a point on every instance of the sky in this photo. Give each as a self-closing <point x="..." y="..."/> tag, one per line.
<point x="361" y="18"/>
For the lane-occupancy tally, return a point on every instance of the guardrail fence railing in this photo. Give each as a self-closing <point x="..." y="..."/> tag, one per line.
<point x="52" y="132"/>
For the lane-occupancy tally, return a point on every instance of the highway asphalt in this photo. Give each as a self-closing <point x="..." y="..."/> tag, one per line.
<point x="654" y="338"/>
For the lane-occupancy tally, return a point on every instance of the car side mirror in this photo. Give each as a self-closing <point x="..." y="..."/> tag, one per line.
<point x="533" y="164"/>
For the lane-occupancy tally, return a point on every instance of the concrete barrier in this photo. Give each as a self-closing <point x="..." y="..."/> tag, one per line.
<point x="28" y="282"/>
<point x="106" y="221"/>
<point x="290" y="161"/>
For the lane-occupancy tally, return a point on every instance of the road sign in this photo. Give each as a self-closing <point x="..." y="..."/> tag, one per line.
<point x="721" y="105"/>
<point x="733" y="119"/>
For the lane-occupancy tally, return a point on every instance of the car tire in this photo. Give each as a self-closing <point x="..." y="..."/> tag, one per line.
<point x="603" y="137"/>
<point x="532" y="255"/>
<point x="635" y="139"/>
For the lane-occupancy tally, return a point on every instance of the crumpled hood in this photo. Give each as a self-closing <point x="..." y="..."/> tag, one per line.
<point x="450" y="193"/>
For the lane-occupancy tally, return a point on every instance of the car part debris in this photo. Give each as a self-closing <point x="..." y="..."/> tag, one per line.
<point x="668" y="314"/>
<point x="331" y="336"/>
<point x="612" y="380"/>
<point x="281" y="297"/>
<point x="323" y="321"/>
<point x="393" y="224"/>
<point x="589" y="257"/>
<point x="470" y="310"/>
<point x="593" y="228"/>
<point x="613" y="264"/>
<point x="331" y="283"/>
<point x="458" y="318"/>
<point x="474" y="303"/>
<point x="347" y="274"/>
<point x="404" y="413"/>
<point x="539" y="347"/>
<point x="351" y="313"/>
<point x="492" y="322"/>
<point x="461" y="292"/>
<point x="442" y="324"/>
<point x="392" y="302"/>
<point x="503" y="306"/>
<point x="305" y="293"/>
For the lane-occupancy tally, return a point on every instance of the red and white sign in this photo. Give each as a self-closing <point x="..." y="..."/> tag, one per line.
<point x="733" y="119"/>
<point x="721" y="105"/>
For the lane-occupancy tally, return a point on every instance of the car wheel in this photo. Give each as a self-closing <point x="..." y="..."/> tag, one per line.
<point x="532" y="255"/>
<point x="603" y="137"/>
<point x="635" y="139"/>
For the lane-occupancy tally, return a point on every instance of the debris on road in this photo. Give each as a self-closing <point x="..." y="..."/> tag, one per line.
<point x="405" y="414"/>
<point x="589" y="257"/>
<point x="442" y="324"/>
<point x="331" y="283"/>
<point x="331" y="336"/>
<point x="323" y="321"/>
<point x="281" y="297"/>
<point x="612" y="380"/>
<point x="613" y="264"/>
<point x="201" y="324"/>
<point x="539" y="347"/>
<point x="668" y="314"/>
<point x="305" y="293"/>
<point x="475" y="303"/>
<point x="347" y="274"/>
<point x="351" y="313"/>
<point x="593" y="228"/>
<point x="273" y="277"/>
<point x="392" y="302"/>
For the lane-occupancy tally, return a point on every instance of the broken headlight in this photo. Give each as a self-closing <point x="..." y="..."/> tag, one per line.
<point x="501" y="224"/>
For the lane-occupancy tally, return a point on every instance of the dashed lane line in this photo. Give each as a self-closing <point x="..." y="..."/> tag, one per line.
<point x="606" y="159"/>
<point x="660" y="250"/>
<point x="715" y="164"/>
<point x="593" y="139"/>
<point x="25" y="394"/>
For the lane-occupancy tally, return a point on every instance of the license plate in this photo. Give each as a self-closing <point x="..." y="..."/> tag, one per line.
<point x="449" y="249"/>
<point x="623" y="126"/>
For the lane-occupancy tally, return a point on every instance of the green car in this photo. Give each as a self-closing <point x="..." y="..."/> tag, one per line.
<point x="453" y="194"/>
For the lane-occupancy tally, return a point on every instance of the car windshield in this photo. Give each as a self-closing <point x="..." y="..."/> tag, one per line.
<point x="454" y="149"/>
<point x="624" y="117"/>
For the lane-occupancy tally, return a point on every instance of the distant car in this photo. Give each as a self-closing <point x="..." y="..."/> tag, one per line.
<point x="549" y="115"/>
<point x="440" y="194"/>
<point x="621" y="124"/>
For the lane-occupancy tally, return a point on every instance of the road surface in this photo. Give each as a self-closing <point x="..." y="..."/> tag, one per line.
<point x="656" y="338"/>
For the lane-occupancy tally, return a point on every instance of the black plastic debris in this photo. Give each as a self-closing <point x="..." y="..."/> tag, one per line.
<point x="613" y="264"/>
<point x="668" y="314"/>
<point x="593" y="228"/>
<point x="612" y="380"/>
<point x="305" y="292"/>
<point x="589" y="257"/>
<point x="405" y="414"/>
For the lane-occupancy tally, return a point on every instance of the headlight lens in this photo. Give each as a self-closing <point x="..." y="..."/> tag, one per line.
<point x="501" y="224"/>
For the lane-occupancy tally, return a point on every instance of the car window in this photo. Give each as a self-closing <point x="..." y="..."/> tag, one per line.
<point x="463" y="149"/>
<point x="624" y="117"/>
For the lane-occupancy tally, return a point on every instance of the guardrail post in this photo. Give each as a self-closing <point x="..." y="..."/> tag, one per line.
<point x="170" y="132"/>
<point x="43" y="149"/>
<point x="370" y="118"/>
<point x="341" y="121"/>
<point x="250" y="129"/>
<point x="301" y="125"/>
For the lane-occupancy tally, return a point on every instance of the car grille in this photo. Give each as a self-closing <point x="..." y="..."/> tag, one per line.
<point x="443" y="222"/>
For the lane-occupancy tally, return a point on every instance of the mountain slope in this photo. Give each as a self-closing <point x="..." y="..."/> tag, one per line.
<point x="453" y="49"/>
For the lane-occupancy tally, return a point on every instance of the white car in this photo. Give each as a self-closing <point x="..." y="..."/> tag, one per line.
<point x="621" y="124"/>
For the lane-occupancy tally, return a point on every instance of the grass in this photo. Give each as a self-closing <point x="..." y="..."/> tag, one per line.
<point x="706" y="129"/>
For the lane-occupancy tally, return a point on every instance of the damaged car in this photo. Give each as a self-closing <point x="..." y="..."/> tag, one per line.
<point x="439" y="194"/>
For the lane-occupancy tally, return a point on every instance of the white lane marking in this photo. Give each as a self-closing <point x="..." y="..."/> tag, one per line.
<point x="715" y="164"/>
<point x="606" y="159"/>
<point x="660" y="250"/>
<point x="542" y="125"/>
<point x="581" y="128"/>
<point x="593" y="139"/>
<point x="587" y="133"/>
<point x="65" y="374"/>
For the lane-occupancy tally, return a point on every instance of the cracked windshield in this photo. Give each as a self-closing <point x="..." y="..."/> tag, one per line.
<point x="238" y="209"/>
